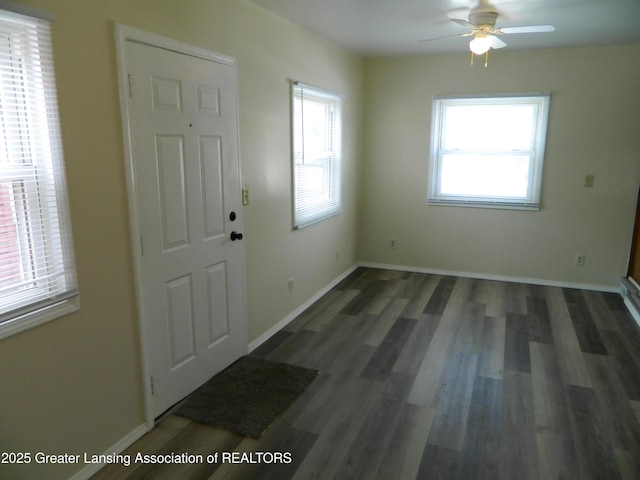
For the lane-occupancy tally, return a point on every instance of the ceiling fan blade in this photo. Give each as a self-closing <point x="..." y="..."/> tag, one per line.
<point x="462" y="22"/>
<point x="497" y="43"/>
<point x="448" y="36"/>
<point x="528" y="29"/>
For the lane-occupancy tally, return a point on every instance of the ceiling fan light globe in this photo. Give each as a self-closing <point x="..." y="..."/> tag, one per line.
<point x="480" y="45"/>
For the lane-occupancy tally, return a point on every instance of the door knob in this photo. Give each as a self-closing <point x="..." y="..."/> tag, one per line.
<point x="235" y="236"/>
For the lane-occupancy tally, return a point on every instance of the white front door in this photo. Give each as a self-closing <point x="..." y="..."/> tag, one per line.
<point x="184" y="148"/>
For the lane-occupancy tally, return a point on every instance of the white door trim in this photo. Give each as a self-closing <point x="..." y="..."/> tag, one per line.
<point x="123" y="34"/>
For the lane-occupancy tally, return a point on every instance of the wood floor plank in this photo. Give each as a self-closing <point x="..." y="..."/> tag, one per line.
<point x="360" y="279"/>
<point x="439" y="463"/>
<point x="556" y="452"/>
<point x="353" y="279"/>
<point x="515" y="297"/>
<point x="630" y="334"/>
<point x="595" y="455"/>
<point x="627" y="464"/>
<point x="570" y="358"/>
<point x="623" y="428"/>
<point x="349" y="390"/>
<point x="625" y="363"/>
<point x="383" y="360"/>
<point x="586" y="329"/>
<point x="386" y="320"/>
<point x="492" y="348"/>
<point x="635" y="406"/>
<point x="440" y="296"/>
<point x="450" y="422"/>
<point x="317" y="350"/>
<point x="367" y="296"/>
<point x="411" y="285"/>
<point x="317" y="307"/>
<point x="275" y="342"/>
<point x="516" y="345"/>
<point x="418" y="302"/>
<point x="248" y="461"/>
<point x="491" y="293"/>
<point x="614" y="302"/>
<point x="480" y="458"/>
<point x="427" y="383"/>
<point x="412" y="355"/>
<point x="373" y="439"/>
<point x="339" y="430"/>
<point x="318" y="315"/>
<point x="323" y="318"/>
<point x="518" y="447"/>
<point x="600" y="311"/>
<point x="539" y="321"/>
<point x="402" y="459"/>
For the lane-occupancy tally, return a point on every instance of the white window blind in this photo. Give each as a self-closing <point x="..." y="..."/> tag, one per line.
<point x="317" y="152"/>
<point x="488" y="151"/>
<point x="37" y="275"/>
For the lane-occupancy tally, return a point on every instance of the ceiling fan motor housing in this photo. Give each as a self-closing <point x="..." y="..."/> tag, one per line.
<point x="486" y="19"/>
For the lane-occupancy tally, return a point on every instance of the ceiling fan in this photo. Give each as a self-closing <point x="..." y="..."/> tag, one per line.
<point x="481" y="22"/>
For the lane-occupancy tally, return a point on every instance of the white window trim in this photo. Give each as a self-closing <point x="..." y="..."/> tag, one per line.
<point x="532" y="201"/>
<point x="302" y="218"/>
<point x="33" y="319"/>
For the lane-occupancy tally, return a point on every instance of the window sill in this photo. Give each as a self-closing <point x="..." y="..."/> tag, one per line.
<point x="43" y="315"/>
<point x="488" y="204"/>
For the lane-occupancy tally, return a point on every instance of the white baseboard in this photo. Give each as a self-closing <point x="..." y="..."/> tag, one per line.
<point x="118" y="447"/>
<point x="502" y="278"/>
<point x="286" y="320"/>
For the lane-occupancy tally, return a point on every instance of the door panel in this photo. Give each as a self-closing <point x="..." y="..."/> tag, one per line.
<point x="183" y="118"/>
<point x="218" y="311"/>
<point x="212" y="174"/>
<point x="172" y="190"/>
<point x="178" y="295"/>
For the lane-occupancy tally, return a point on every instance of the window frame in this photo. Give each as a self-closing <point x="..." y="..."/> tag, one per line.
<point x="32" y="171"/>
<point x="305" y="214"/>
<point x="532" y="199"/>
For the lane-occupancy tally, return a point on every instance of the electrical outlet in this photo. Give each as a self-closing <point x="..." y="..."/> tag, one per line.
<point x="580" y="258"/>
<point x="392" y="244"/>
<point x="291" y="285"/>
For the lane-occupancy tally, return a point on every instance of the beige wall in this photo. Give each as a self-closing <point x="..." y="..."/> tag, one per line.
<point x="594" y="128"/>
<point x="74" y="384"/>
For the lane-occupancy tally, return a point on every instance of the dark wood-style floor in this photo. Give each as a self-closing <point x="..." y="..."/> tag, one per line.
<point x="434" y="377"/>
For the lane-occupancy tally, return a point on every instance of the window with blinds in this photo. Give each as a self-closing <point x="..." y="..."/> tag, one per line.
<point x="488" y="151"/>
<point x="37" y="275"/>
<point x="317" y="152"/>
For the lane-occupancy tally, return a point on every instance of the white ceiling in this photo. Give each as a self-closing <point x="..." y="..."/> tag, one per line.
<point x="392" y="27"/>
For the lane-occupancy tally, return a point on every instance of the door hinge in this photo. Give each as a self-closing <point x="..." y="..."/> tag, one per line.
<point x="130" y="87"/>
<point x="153" y="389"/>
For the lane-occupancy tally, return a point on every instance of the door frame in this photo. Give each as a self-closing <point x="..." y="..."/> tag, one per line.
<point x="123" y="34"/>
